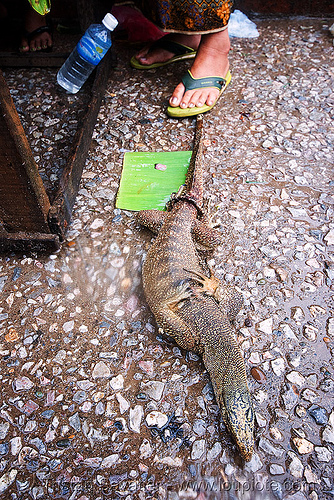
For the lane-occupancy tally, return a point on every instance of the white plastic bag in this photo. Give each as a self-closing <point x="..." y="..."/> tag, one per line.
<point x="240" y="26"/>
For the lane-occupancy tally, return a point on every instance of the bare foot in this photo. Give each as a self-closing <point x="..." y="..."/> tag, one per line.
<point x="211" y="60"/>
<point x="149" y="55"/>
<point x="40" y="41"/>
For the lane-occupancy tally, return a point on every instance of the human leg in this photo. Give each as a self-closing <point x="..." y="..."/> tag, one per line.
<point x="155" y="54"/>
<point x="37" y="35"/>
<point x="211" y="60"/>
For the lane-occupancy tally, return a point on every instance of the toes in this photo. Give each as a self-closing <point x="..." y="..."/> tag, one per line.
<point x="142" y="53"/>
<point x="33" y="45"/>
<point x="177" y="96"/>
<point x="189" y="100"/>
<point x="212" y="97"/>
<point x="193" y="98"/>
<point x="24" y="47"/>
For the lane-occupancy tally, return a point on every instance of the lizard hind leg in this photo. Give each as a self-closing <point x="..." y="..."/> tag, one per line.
<point x="209" y="284"/>
<point x="172" y="323"/>
<point x="228" y="298"/>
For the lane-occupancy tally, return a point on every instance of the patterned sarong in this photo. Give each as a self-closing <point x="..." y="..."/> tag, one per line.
<point x="187" y="16"/>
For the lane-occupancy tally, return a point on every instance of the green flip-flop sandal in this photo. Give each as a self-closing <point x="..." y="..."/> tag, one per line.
<point x="181" y="52"/>
<point x="192" y="83"/>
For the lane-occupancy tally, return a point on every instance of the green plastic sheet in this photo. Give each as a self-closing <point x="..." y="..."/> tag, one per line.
<point x="41" y="6"/>
<point x="145" y="187"/>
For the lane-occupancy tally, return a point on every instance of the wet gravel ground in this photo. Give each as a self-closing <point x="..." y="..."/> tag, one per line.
<point x="95" y="404"/>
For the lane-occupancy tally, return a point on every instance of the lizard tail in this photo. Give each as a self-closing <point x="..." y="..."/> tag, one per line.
<point x="194" y="179"/>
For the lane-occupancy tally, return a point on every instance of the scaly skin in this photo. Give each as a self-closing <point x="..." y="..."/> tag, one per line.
<point x="196" y="310"/>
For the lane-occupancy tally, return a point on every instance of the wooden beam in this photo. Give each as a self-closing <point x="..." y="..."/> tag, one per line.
<point x="32" y="59"/>
<point x="61" y="210"/>
<point x="87" y="13"/>
<point x="24" y="204"/>
<point x="28" y="242"/>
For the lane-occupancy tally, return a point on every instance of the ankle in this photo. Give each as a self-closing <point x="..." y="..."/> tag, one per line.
<point x="192" y="41"/>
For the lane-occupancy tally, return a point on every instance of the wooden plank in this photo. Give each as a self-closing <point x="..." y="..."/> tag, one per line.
<point x="61" y="210"/>
<point x="87" y="13"/>
<point x="24" y="204"/>
<point x="28" y="242"/>
<point x="32" y="59"/>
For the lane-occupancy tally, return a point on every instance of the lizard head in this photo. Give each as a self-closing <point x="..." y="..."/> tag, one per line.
<point x="238" y="415"/>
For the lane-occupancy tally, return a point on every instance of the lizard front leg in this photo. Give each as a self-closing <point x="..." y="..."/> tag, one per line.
<point x="205" y="236"/>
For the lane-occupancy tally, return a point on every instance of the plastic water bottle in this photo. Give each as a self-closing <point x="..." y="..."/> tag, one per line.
<point x="89" y="51"/>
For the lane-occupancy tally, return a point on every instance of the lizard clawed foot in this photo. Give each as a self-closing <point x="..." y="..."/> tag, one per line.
<point x="209" y="284"/>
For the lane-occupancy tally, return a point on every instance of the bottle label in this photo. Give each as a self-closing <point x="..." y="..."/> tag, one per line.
<point x="90" y="50"/>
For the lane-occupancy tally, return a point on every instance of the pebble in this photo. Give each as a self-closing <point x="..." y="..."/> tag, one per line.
<point x="297" y="314"/>
<point x="310" y="396"/>
<point x="302" y="445"/>
<point x="170" y="461"/>
<point x="296" y="467"/>
<point x="136" y="416"/>
<point x="300" y="411"/>
<point x="145" y="449"/>
<point x="4" y="428"/>
<point x="329" y="238"/>
<point x="147" y="366"/>
<point x="60" y="357"/>
<point x="255" y="463"/>
<point x="323" y="453"/>
<point x="260" y="419"/>
<point x="330" y="327"/>
<point x="294" y="359"/>
<point x="22" y="384"/>
<point x="160" y="166"/>
<point x="75" y="422"/>
<point x="287" y="331"/>
<point x="78" y="397"/>
<point x="110" y="461"/>
<point x="156" y="418"/>
<point x="319" y="414"/>
<point x="278" y="366"/>
<point x="328" y="432"/>
<point x="214" y="452"/>
<point x="198" y="449"/>
<point x="310" y="476"/>
<point x="276" y="434"/>
<point x="15" y="445"/>
<point x="265" y="326"/>
<point x="258" y="375"/>
<point x="7" y="480"/>
<point x="296" y="378"/>
<point x="124" y="404"/>
<point x="117" y="383"/>
<point x="154" y="389"/>
<point x="276" y="469"/>
<point x="270" y="448"/>
<point x="310" y="332"/>
<point x="101" y="370"/>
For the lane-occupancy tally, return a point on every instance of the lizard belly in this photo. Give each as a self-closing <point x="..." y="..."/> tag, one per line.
<point x="172" y="255"/>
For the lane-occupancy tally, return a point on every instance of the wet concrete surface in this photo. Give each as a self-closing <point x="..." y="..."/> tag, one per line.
<point x="95" y="404"/>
